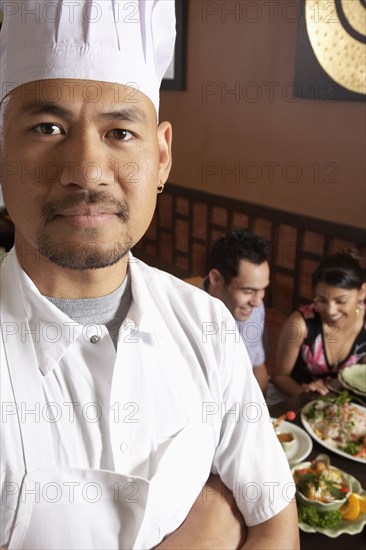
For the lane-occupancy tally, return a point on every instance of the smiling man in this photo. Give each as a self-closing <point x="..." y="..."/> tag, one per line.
<point x="114" y="411"/>
<point x="239" y="275"/>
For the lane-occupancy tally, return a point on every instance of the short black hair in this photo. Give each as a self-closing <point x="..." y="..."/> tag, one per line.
<point x="225" y="253"/>
<point x="341" y="270"/>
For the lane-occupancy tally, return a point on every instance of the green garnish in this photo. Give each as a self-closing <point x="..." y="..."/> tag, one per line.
<point x="352" y="448"/>
<point x="318" y="413"/>
<point x="304" y="482"/>
<point x="342" y="398"/>
<point x="311" y="516"/>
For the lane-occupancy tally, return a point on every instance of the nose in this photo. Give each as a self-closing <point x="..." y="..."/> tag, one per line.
<point x="85" y="162"/>
<point x="331" y="309"/>
<point x="257" y="298"/>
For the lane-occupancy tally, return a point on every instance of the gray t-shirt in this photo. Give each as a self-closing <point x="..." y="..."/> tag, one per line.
<point x="109" y="310"/>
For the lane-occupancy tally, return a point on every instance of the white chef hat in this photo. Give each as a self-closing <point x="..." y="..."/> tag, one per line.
<point x="130" y="42"/>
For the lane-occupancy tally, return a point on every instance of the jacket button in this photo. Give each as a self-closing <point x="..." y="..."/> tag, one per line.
<point x="94" y="339"/>
<point x="123" y="447"/>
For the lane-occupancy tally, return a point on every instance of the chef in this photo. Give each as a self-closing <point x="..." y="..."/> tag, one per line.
<point x="122" y="387"/>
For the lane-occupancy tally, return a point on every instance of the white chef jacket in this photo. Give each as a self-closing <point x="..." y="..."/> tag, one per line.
<point x="179" y="361"/>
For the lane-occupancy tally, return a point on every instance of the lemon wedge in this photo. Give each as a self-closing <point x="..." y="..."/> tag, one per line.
<point x="362" y="500"/>
<point x="351" y="509"/>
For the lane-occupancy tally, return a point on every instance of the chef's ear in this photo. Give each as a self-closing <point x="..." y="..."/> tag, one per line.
<point x="165" y="136"/>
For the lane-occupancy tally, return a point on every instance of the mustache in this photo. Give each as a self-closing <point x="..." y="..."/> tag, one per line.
<point x="55" y="208"/>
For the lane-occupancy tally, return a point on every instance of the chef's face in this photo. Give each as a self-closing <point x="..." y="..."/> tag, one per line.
<point x="80" y="175"/>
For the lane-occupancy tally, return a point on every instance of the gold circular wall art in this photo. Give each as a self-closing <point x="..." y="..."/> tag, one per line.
<point x="341" y="54"/>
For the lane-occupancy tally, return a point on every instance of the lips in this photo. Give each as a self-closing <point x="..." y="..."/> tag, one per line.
<point x="87" y="211"/>
<point x="86" y="217"/>
<point x="334" y="319"/>
<point x="85" y="207"/>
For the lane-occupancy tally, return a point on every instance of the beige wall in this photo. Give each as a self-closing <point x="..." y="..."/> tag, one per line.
<point x="272" y="139"/>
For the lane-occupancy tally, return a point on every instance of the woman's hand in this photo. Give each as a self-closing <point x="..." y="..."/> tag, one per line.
<point x="318" y="385"/>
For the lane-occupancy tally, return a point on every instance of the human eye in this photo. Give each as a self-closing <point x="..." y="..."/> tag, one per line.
<point x="48" y="129"/>
<point x="120" y="134"/>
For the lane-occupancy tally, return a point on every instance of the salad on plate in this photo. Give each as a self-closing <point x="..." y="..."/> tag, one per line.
<point x="339" y="424"/>
<point x="330" y="501"/>
<point x="350" y="518"/>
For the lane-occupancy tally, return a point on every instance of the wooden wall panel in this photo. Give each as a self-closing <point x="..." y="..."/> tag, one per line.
<point x="219" y="216"/>
<point x="282" y="291"/>
<point x="199" y="220"/>
<point x="165" y="211"/>
<point x="263" y="227"/>
<point x="240" y="220"/>
<point x="165" y="247"/>
<point x="285" y="246"/>
<point x="199" y="254"/>
<point x="307" y="268"/>
<point x="314" y="242"/>
<point x="181" y="235"/>
<point x="186" y="222"/>
<point x="182" y="206"/>
<point x="181" y="262"/>
<point x="338" y="245"/>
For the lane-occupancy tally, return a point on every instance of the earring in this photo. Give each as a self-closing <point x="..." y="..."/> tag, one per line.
<point x="358" y="308"/>
<point x="160" y="188"/>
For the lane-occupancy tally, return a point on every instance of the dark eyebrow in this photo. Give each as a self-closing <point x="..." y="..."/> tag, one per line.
<point x="251" y="288"/>
<point x="336" y="298"/>
<point x="40" y="108"/>
<point x="125" y="114"/>
<point x="44" y="108"/>
<point x="256" y="289"/>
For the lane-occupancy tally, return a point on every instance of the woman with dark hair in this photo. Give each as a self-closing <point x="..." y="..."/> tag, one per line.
<point x="327" y="335"/>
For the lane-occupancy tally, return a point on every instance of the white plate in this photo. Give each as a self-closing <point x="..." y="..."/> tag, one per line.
<point x="350" y="527"/>
<point x="331" y="446"/>
<point x="302" y="445"/>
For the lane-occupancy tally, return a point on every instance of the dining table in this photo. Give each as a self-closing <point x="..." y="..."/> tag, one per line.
<point x="311" y="541"/>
